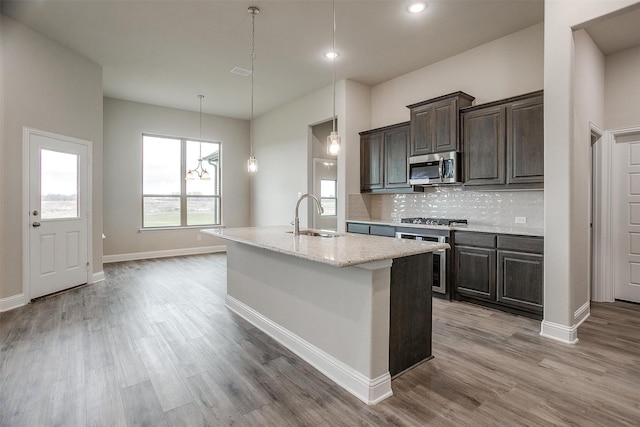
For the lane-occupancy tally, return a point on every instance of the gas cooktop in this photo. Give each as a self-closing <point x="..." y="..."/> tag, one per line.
<point x="433" y="221"/>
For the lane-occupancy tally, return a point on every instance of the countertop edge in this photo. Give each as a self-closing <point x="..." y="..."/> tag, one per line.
<point x="353" y="262"/>
<point x="516" y="231"/>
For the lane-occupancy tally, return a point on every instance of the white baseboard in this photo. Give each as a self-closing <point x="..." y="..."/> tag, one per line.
<point x="162" y="254"/>
<point x="97" y="277"/>
<point x="12" y="302"/>
<point x="582" y="313"/>
<point x="557" y="332"/>
<point x="369" y="390"/>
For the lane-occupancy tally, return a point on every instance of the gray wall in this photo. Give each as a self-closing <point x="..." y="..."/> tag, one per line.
<point x="565" y="257"/>
<point x="589" y="107"/>
<point x="283" y="148"/>
<point x="282" y="144"/>
<point x="2" y="169"/>
<point x="509" y="66"/>
<point x="124" y="124"/>
<point x="51" y="88"/>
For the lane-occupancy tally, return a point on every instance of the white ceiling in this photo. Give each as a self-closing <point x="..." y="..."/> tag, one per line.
<point x="620" y="31"/>
<point x="168" y="52"/>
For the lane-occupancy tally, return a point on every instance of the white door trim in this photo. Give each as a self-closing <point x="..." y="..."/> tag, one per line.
<point x="603" y="251"/>
<point x="26" y="244"/>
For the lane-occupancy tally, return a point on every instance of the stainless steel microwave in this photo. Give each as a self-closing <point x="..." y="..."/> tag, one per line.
<point x="434" y="169"/>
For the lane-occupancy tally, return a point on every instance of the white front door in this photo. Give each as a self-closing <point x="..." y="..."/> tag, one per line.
<point x="58" y="194"/>
<point x="626" y="218"/>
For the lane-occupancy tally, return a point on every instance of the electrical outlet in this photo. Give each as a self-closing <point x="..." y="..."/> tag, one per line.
<point x="198" y="237"/>
<point x="521" y="220"/>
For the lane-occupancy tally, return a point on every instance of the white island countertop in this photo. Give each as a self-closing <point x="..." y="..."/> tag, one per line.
<point x="342" y="251"/>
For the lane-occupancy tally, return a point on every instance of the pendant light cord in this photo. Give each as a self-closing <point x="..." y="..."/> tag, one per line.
<point x="253" y="11"/>
<point x="334" y="65"/>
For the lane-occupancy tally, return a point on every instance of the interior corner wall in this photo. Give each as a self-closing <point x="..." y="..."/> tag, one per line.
<point x="51" y="88"/>
<point x="509" y="66"/>
<point x="281" y="146"/>
<point x="622" y="89"/>
<point x="124" y="124"/>
<point x="357" y="118"/>
<point x="2" y="169"/>
<point x="589" y="78"/>
<point x="561" y="16"/>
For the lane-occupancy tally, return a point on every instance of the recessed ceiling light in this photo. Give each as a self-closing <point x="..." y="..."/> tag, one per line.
<point x="331" y="55"/>
<point x="417" y="7"/>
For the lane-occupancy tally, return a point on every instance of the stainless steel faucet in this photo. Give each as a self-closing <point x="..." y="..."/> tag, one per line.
<point x="296" y="220"/>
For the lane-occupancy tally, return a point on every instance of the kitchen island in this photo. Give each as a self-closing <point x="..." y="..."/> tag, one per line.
<point x="336" y="301"/>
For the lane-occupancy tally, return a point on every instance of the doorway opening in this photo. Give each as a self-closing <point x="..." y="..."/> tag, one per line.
<point x="323" y="179"/>
<point x="616" y="216"/>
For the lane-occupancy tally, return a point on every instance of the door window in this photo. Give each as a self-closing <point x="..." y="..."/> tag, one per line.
<point x="59" y="185"/>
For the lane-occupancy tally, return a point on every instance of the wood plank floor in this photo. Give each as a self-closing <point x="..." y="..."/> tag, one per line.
<point x="154" y="345"/>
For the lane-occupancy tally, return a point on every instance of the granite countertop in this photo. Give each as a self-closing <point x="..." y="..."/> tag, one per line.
<point x="345" y="250"/>
<point x="519" y="231"/>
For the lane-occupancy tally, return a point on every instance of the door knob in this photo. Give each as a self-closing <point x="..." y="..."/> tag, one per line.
<point x="36" y="224"/>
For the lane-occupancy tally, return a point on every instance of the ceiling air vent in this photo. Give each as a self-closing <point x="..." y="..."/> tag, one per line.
<point x="241" y="71"/>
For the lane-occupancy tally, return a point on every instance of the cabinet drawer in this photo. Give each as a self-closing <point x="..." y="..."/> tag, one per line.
<point x="476" y="239"/>
<point x="523" y="244"/>
<point x="382" y="230"/>
<point x="357" y="228"/>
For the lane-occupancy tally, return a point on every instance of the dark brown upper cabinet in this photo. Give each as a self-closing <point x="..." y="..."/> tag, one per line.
<point x="525" y="141"/>
<point x="503" y="143"/>
<point x="371" y="161"/>
<point x="435" y="123"/>
<point x="384" y="159"/>
<point x="484" y="146"/>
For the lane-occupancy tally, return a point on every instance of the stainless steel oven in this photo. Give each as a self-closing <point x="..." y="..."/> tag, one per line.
<point x="439" y="257"/>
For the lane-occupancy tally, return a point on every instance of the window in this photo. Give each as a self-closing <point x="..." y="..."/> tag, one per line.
<point x="328" y="196"/>
<point x="168" y="200"/>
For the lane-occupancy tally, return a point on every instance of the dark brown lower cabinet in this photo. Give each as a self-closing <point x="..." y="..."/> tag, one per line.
<point x="476" y="272"/>
<point x="410" y="312"/>
<point x="502" y="271"/>
<point x="520" y="279"/>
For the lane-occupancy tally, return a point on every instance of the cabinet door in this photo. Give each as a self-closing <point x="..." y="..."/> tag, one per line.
<point x="445" y="136"/>
<point x="396" y="158"/>
<point x="422" y="130"/>
<point x="525" y="141"/>
<point x="520" y="280"/>
<point x="484" y="146"/>
<point x="476" y="272"/>
<point x="371" y="161"/>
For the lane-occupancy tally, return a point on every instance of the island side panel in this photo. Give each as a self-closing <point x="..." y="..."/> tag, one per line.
<point x="342" y="311"/>
<point x="410" y="312"/>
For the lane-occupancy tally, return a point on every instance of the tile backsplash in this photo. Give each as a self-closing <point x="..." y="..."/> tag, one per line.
<point x="496" y="208"/>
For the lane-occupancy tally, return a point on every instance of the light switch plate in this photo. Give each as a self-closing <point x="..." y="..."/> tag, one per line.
<point x="521" y="220"/>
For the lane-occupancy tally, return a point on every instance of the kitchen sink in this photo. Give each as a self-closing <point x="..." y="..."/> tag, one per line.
<point x="318" y="233"/>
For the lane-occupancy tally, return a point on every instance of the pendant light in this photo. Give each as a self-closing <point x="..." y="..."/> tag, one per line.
<point x="333" y="140"/>
<point x="199" y="170"/>
<point x="252" y="163"/>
